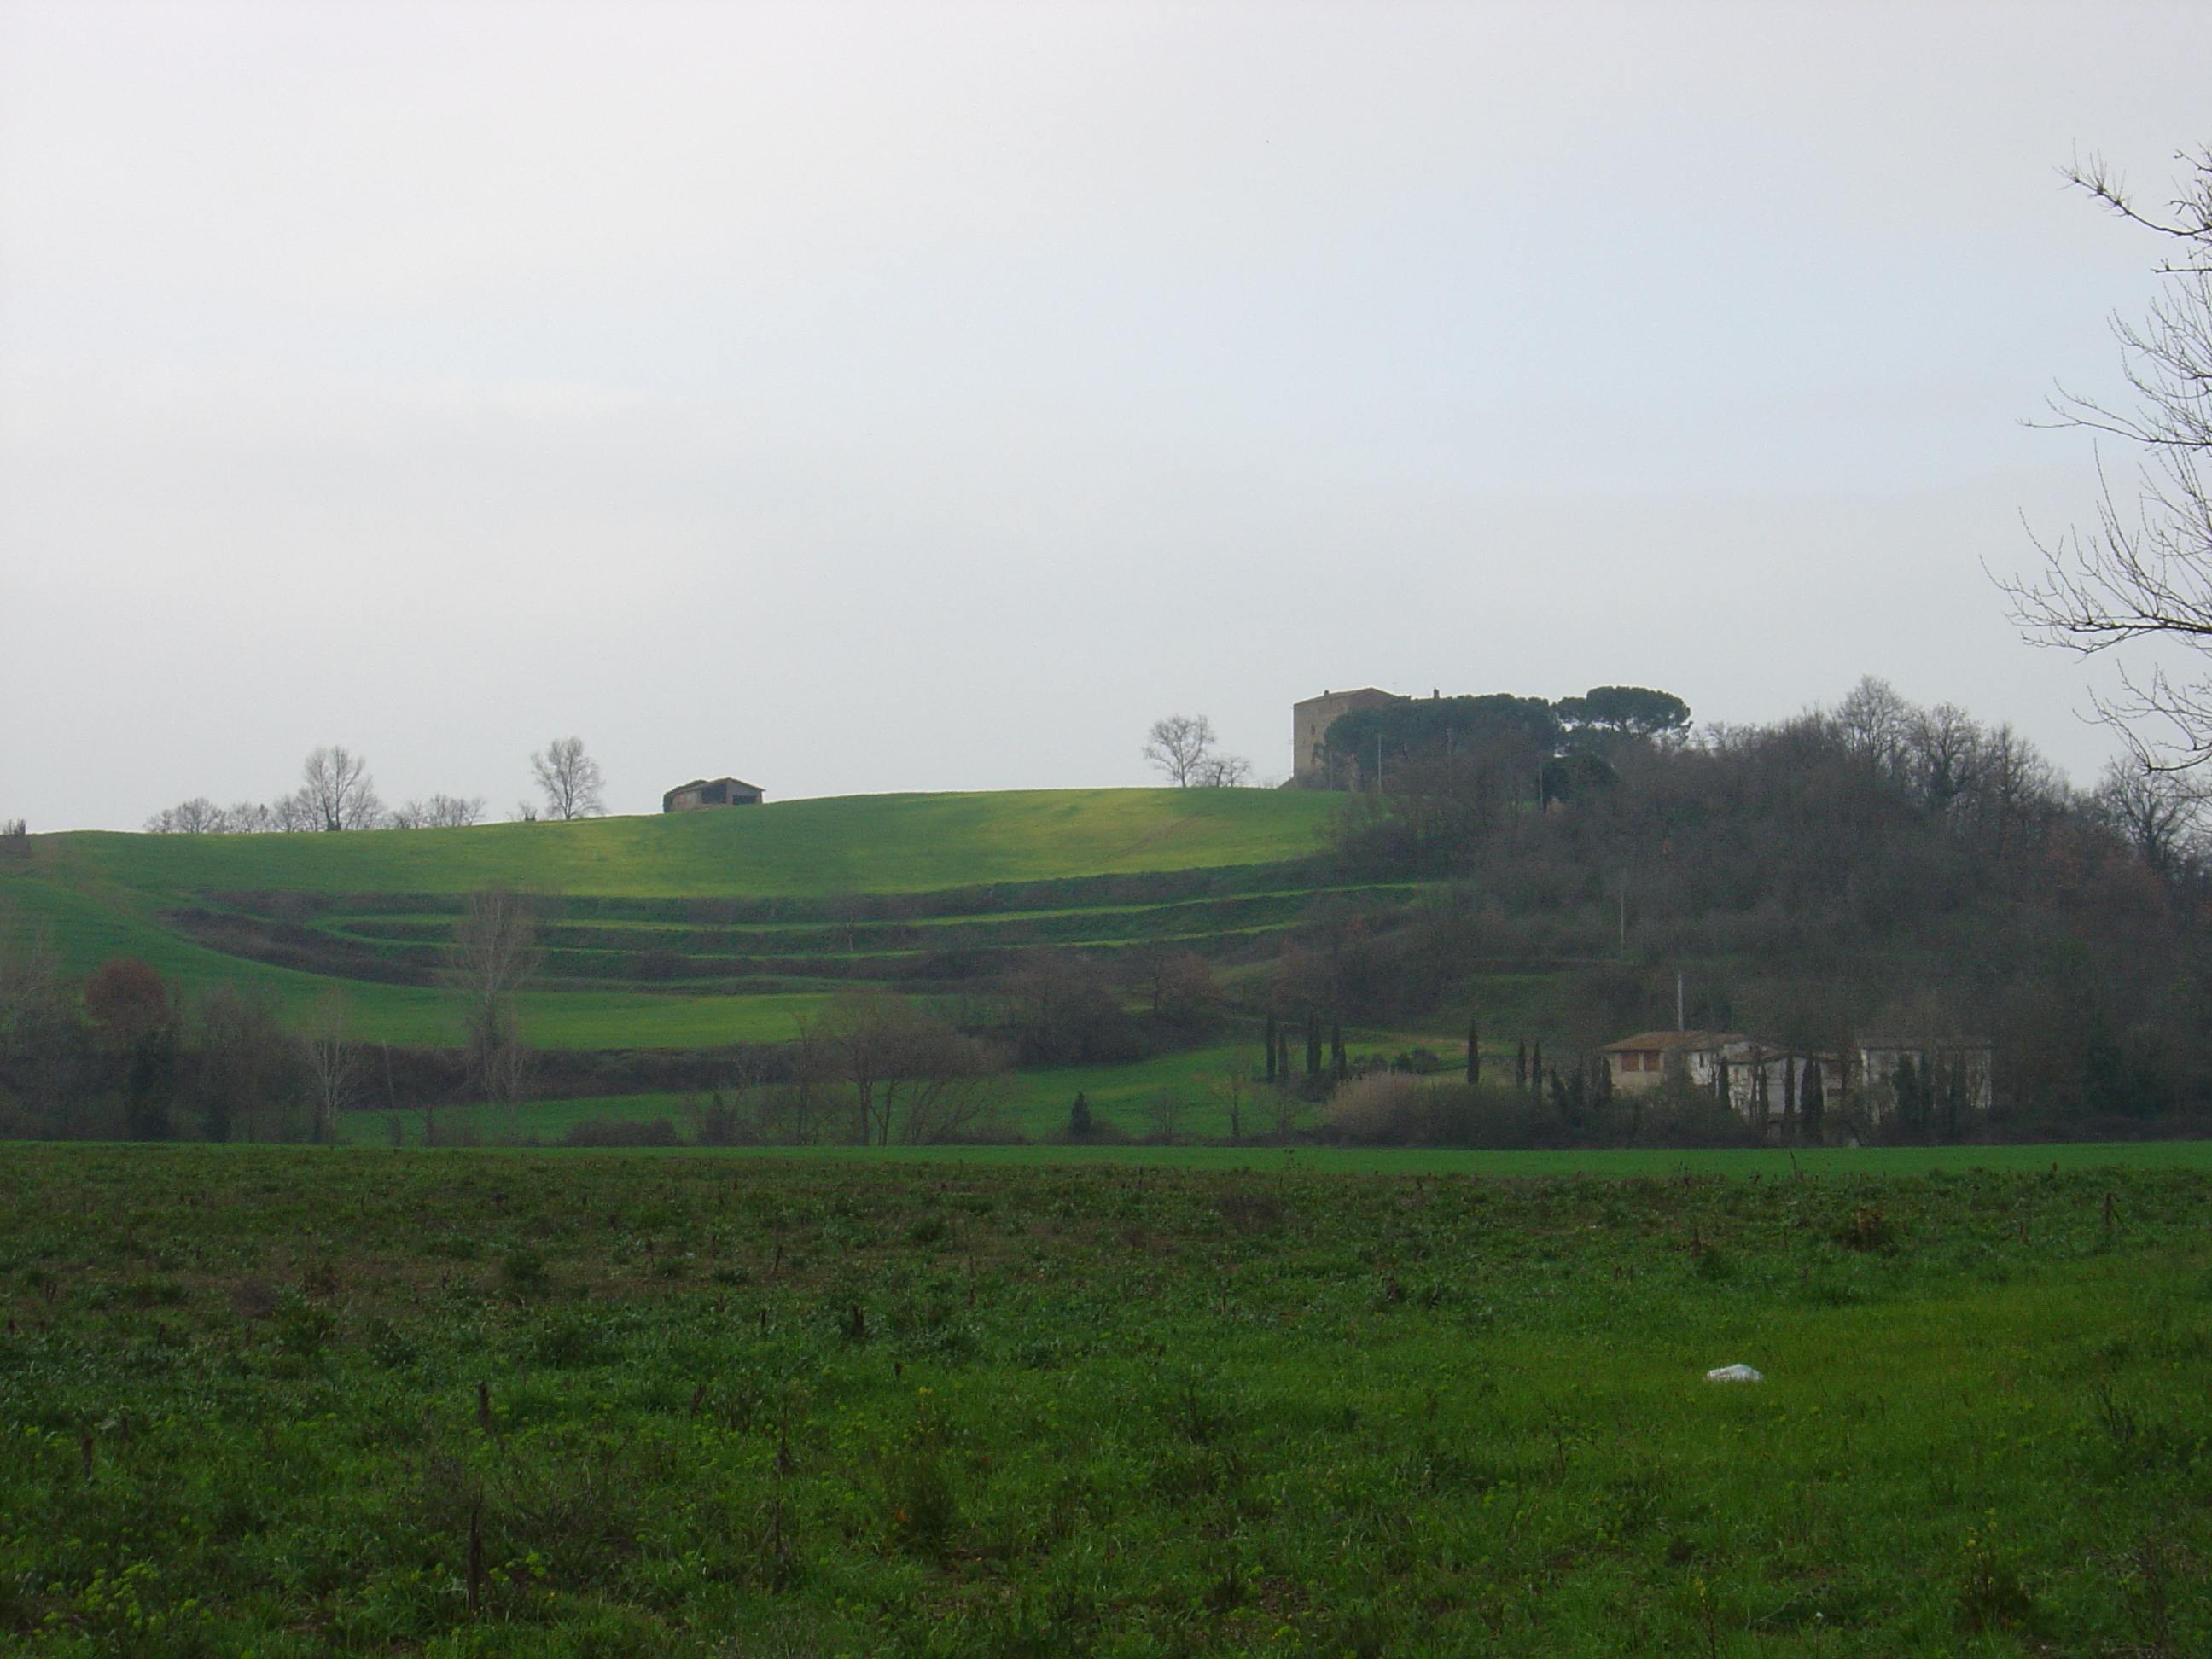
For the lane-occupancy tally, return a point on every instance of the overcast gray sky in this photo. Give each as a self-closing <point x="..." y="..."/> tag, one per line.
<point x="861" y="397"/>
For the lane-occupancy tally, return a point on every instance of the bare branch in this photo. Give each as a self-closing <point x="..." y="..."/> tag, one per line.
<point x="2144" y="570"/>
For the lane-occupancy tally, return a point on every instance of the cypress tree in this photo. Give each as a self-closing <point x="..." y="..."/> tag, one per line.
<point x="1336" y="1064"/>
<point x="1474" y="1054"/>
<point x="1811" y="1100"/>
<point x="1271" y="1047"/>
<point x="1078" y="1116"/>
<point x="1904" y="1083"/>
<point x="1536" y="1065"/>
<point x="1521" y="1065"/>
<point x="1313" y="1045"/>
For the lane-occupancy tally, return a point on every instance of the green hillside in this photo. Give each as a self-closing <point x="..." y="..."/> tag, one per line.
<point x="693" y="929"/>
<point x="853" y="843"/>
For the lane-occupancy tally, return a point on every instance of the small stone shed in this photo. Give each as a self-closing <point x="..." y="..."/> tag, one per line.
<point x="711" y="791"/>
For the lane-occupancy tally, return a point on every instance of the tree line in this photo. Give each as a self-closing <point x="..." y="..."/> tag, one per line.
<point x="337" y="793"/>
<point x="125" y="1057"/>
<point x="1526" y="747"/>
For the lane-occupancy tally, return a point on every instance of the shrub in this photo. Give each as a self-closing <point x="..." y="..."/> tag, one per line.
<point x="1868" y="1229"/>
<point x="719" y="1123"/>
<point x="565" y="1344"/>
<point x="1393" y="1109"/>
<point x="1991" y="1594"/>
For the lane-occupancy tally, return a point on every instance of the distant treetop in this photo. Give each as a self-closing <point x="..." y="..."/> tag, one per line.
<point x="1631" y="711"/>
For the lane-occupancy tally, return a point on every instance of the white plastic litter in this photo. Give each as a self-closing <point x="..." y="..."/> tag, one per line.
<point x="1734" y="1374"/>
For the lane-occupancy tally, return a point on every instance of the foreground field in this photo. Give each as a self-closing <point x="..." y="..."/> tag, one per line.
<point x="295" y="1403"/>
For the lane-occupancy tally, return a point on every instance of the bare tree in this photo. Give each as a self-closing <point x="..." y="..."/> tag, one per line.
<point x="569" y="780"/>
<point x="1946" y="754"/>
<point x="336" y="793"/>
<point x="1178" y="747"/>
<point x="202" y="817"/>
<point x="1165" y="1113"/>
<point x="249" y="1079"/>
<point x="796" y="1112"/>
<point x="335" y="1063"/>
<point x="196" y="816"/>
<point x="1181" y="745"/>
<point x="1872" y="722"/>
<point x="2145" y="571"/>
<point x="2157" y="812"/>
<point x="439" y="812"/>
<point x="1229" y="1086"/>
<point x="913" y="1078"/>
<point x="494" y="953"/>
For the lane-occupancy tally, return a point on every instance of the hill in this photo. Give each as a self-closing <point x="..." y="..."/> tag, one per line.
<point x="854" y="843"/>
<point x="1874" y="870"/>
<point x="689" y="929"/>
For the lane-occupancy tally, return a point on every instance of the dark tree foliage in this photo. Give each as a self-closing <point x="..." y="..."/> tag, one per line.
<point x="118" y="1060"/>
<point x="151" y="1085"/>
<point x="127" y="998"/>
<point x="1500" y="726"/>
<point x="1061" y="1011"/>
<point x="1616" y="712"/>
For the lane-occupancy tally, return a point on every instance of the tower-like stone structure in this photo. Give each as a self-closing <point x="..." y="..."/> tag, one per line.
<point x="1309" y="724"/>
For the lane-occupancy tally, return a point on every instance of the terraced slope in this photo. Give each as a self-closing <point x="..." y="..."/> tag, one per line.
<point x="709" y="927"/>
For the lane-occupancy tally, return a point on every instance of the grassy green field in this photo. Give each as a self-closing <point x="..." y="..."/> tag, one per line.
<point x="89" y="932"/>
<point x="293" y="1403"/>
<point x="206" y="907"/>
<point x="853" y="843"/>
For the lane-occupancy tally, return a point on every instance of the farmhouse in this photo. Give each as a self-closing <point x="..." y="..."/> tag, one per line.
<point x="1769" y="1086"/>
<point x="1651" y="1058"/>
<point x="1932" y="1084"/>
<point x="711" y="791"/>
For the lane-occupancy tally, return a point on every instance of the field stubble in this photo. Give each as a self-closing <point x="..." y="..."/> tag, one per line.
<point x="304" y="1403"/>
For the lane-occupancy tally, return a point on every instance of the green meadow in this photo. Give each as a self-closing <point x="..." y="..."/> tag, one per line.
<point x="634" y="962"/>
<point x="853" y="843"/>
<point x="293" y="1402"/>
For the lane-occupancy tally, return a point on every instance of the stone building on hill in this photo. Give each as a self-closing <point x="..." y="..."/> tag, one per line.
<point x="711" y="791"/>
<point x="1309" y="724"/>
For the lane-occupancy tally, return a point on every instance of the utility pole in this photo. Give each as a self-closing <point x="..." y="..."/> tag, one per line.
<point x="1679" y="1023"/>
